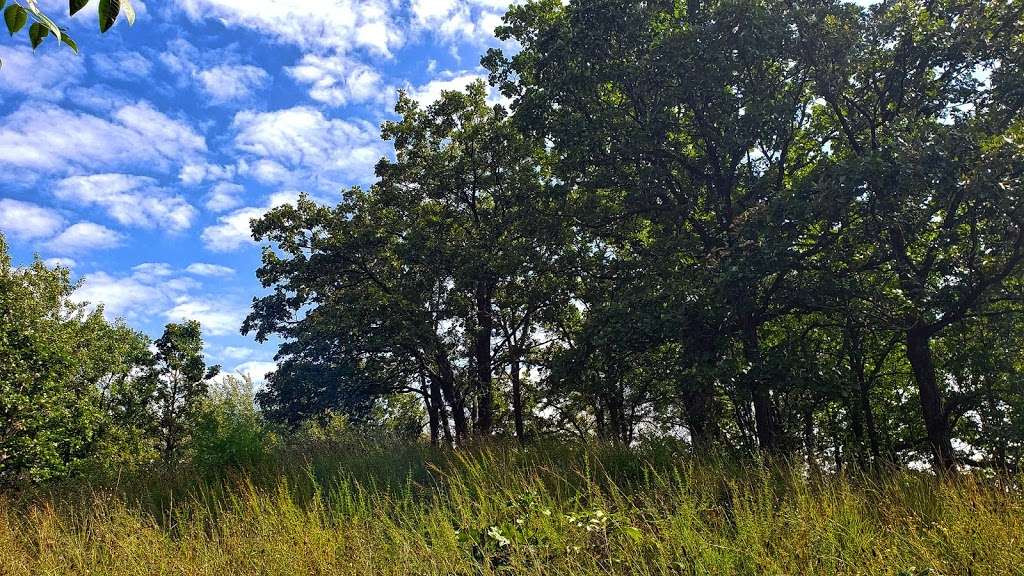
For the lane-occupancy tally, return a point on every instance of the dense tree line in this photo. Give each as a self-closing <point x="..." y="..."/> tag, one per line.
<point x="793" y="227"/>
<point x="78" y="393"/>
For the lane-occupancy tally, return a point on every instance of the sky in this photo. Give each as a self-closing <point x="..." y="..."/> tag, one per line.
<point x="139" y="163"/>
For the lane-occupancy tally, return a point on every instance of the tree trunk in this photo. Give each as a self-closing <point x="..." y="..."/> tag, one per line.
<point x="764" y="412"/>
<point x="517" y="399"/>
<point x="446" y="382"/>
<point x="864" y="395"/>
<point x="485" y="391"/>
<point x="699" y="406"/>
<point x="919" y="353"/>
<point x="811" y="442"/>
<point x="432" y="409"/>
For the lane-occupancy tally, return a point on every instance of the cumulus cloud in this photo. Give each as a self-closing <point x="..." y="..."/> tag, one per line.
<point x="68" y="263"/>
<point x="197" y="173"/>
<point x="27" y="221"/>
<point x="123" y="65"/>
<point x="233" y="231"/>
<point x="236" y="352"/>
<point x="224" y="196"/>
<point x="152" y="271"/>
<point x="232" y="83"/>
<point x="130" y="200"/>
<point x="155" y="291"/>
<point x="84" y="237"/>
<point x="44" y="137"/>
<point x="309" y="24"/>
<point x="211" y="270"/>
<point x="121" y="297"/>
<point x="470" y="20"/>
<point x="303" y="139"/>
<point x="258" y="371"/>
<point x="43" y="75"/>
<point x="427" y="93"/>
<point x="216" y="318"/>
<point x="338" y="80"/>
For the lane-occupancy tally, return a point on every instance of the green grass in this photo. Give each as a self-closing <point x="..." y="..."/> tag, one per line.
<point x="391" y="508"/>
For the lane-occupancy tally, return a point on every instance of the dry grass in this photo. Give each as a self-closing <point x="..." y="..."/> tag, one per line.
<point x="395" y="509"/>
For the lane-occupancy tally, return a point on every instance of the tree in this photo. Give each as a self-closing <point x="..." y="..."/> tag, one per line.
<point x="401" y="283"/>
<point x="925" y="159"/>
<point x="182" y="382"/>
<point x="18" y="12"/>
<point x="73" y="391"/>
<point x="691" y="121"/>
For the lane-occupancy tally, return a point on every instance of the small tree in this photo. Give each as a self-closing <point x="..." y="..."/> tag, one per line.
<point x="183" y="381"/>
<point x="73" y="388"/>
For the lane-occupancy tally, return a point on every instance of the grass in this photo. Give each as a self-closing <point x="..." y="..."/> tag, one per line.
<point x="391" y="508"/>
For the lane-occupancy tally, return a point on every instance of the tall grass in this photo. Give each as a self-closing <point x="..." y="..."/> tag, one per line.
<point x="393" y="508"/>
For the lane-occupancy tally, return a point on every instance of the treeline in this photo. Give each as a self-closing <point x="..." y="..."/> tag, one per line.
<point x="80" y="394"/>
<point x="793" y="227"/>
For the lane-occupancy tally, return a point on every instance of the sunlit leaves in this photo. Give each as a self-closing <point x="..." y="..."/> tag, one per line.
<point x="18" y="13"/>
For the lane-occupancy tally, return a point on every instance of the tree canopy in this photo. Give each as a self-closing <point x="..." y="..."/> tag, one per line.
<point x="766" y="225"/>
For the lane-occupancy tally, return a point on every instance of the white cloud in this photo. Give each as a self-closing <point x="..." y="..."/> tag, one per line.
<point x="125" y="297"/>
<point x="302" y="138"/>
<point x="122" y="65"/>
<point x="258" y="371"/>
<point x="428" y="93"/>
<point x="233" y="230"/>
<point x="152" y="271"/>
<point x="236" y="352"/>
<point x="98" y="98"/>
<point x="130" y="200"/>
<point x="83" y="237"/>
<point x="43" y="75"/>
<point x="309" y="24"/>
<point x="60" y="262"/>
<point x="211" y="270"/>
<point x="224" y="196"/>
<point x="153" y="291"/>
<point x="216" y="318"/>
<point x="232" y="83"/>
<point x="338" y="80"/>
<point x="471" y="20"/>
<point x="27" y="221"/>
<point x="197" y="173"/>
<point x="44" y="137"/>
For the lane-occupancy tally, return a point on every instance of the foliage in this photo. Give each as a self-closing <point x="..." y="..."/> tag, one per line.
<point x="230" y="434"/>
<point x="18" y="12"/>
<point x="767" y="226"/>
<point x="73" y="388"/>
<point x="182" y="384"/>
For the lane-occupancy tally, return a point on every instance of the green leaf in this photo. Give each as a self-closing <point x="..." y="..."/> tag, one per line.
<point x="16" y="17"/>
<point x="129" y="11"/>
<point x="44" y="20"/>
<point x="109" y="9"/>
<point x="69" y="41"/>
<point x="37" y="33"/>
<point x="2" y="4"/>
<point x="76" y="5"/>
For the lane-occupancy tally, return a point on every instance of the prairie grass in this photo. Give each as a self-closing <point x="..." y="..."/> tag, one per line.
<point x="392" y="508"/>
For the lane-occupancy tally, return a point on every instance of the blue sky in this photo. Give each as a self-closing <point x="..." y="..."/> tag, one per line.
<point x="139" y="163"/>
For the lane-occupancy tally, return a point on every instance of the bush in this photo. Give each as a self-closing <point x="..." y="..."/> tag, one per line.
<point x="230" y="434"/>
